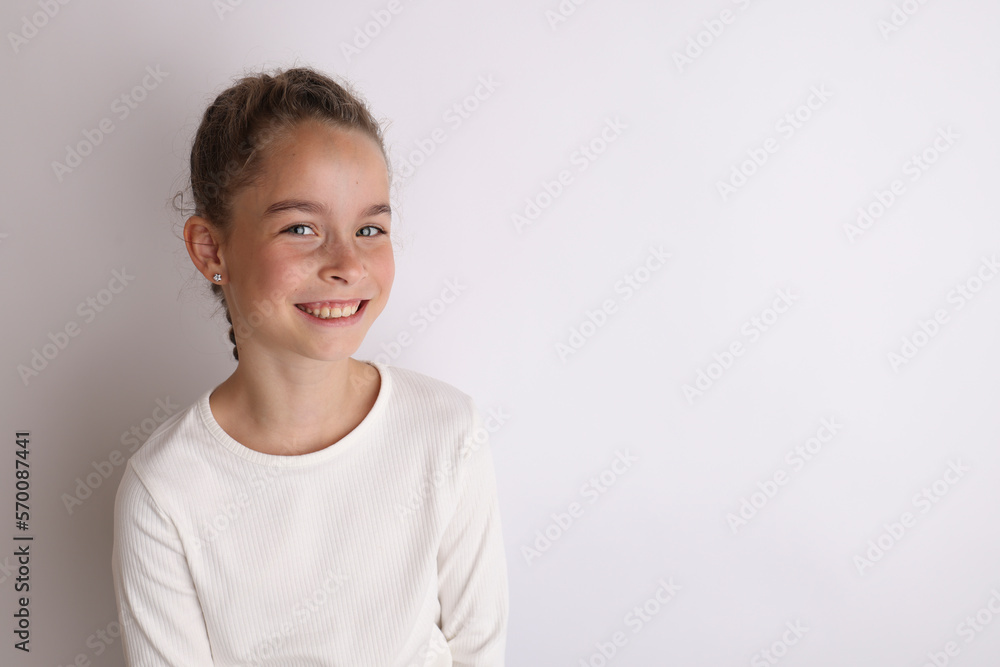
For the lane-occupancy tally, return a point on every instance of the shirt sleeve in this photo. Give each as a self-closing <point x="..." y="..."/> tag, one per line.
<point x="472" y="566"/>
<point x="158" y="608"/>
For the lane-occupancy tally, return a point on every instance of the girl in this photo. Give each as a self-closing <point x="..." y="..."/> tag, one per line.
<point x="311" y="509"/>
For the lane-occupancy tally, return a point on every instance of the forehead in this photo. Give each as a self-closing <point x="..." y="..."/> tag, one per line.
<point x="341" y="167"/>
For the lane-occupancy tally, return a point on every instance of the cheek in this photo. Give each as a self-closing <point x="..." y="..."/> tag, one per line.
<point x="274" y="274"/>
<point x="291" y="271"/>
<point x="385" y="268"/>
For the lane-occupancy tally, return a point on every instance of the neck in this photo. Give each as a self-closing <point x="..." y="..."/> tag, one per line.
<point x="290" y="410"/>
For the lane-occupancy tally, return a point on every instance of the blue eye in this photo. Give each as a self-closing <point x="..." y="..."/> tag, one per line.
<point x="291" y="231"/>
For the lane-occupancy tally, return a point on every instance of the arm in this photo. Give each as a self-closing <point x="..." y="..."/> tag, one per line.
<point x="158" y="608"/>
<point x="472" y="567"/>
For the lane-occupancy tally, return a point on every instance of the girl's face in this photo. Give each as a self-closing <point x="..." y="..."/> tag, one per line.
<point x="313" y="229"/>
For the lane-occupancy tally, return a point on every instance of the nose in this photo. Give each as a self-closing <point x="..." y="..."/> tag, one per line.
<point x="342" y="261"/>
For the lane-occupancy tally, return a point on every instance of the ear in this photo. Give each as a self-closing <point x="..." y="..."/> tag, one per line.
<point x="202" y="241"/>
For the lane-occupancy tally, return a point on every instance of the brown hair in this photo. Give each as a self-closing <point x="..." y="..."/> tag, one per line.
<point x="244" y="119"/>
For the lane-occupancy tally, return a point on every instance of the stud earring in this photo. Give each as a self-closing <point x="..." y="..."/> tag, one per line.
<point x="218" y="277"/>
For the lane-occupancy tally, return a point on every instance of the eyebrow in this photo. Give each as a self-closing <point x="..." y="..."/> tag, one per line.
<point x="315" y="208"/>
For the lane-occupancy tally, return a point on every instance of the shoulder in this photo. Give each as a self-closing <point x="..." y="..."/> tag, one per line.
<point x="432" y="396"/>
<point x="170" y="439"/>
<point x="172" y="457"/>
<point x="425" y="402"/>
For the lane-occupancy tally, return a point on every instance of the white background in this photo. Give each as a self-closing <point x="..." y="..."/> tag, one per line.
<point x="893" y="76"/>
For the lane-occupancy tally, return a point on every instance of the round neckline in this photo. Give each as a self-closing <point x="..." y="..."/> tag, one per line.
<point x="346" y="443"/>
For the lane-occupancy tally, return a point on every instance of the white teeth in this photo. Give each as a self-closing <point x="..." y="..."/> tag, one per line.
<point x="326" y="313"/>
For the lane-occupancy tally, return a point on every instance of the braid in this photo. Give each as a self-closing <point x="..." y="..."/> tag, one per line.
<point x="232" y="334"/>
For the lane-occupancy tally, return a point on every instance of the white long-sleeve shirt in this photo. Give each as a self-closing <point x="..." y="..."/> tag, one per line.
<point x="383" y="549"/>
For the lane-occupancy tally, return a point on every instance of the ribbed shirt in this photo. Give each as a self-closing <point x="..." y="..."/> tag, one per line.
<point x="383" y="549"/>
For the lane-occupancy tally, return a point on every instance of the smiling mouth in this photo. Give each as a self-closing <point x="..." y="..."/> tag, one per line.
<point x="332" y="310"/>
